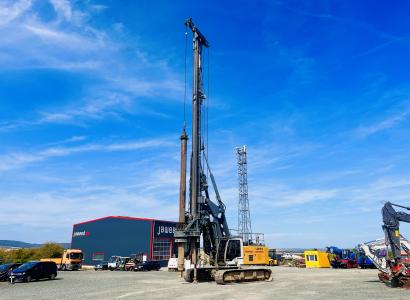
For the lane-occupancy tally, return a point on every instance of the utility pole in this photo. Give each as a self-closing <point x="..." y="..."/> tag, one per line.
<point x="244" y="215"/>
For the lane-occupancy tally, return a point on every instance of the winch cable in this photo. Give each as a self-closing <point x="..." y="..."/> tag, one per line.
<point x="185" y="71"/>
<point x="207" y="104"/>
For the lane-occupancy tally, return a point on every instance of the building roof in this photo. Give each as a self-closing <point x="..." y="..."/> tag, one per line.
<point x="122" y="217"/>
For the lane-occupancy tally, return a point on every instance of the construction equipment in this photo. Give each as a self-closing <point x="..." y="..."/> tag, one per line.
<point x="274" y="257"/>
<point x="71" y="260"/>
<point x="205" y="219"/>
<point x="134" y="260"/>
<point x="341" y="258"/>
<point x="394" y="268"/>
<point x="363" y="261"/>
<point x="376" y="251"/>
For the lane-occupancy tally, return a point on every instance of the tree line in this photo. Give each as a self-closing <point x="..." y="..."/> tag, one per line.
<point x="48" y="250"/>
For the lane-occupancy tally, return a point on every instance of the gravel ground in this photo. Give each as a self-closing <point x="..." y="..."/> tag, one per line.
<point x="289" y="283"/>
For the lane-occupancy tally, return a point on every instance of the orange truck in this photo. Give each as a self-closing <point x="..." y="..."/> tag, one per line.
<point x="72" y="260"/>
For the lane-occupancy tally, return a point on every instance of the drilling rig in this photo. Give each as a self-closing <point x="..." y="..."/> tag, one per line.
<point x="204" y="222"/>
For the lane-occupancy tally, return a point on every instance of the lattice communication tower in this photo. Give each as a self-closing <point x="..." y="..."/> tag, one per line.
<point x="244" y="215"/>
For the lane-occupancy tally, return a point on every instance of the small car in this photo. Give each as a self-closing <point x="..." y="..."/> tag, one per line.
<point x="6" y="269"/>
<point x="34" y="270"/>
<point x="101" y="266"/>
<point x="113" y="262"/>
<point x="148" y="266"/>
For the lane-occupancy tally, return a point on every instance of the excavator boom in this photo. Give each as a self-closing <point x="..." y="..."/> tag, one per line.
<point x="394" y="269"/>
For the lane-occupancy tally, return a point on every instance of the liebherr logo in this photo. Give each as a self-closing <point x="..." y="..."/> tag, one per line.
<point x="81" y="233"/>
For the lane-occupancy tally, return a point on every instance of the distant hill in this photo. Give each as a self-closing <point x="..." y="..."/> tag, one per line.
<point x="18" y="244"/>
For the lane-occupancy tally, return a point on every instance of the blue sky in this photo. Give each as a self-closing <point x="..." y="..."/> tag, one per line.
<point x="92" y="93"/>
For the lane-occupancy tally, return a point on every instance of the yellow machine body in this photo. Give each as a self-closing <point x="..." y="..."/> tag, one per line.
<point x="316" y="259"/>
<point x="255" y="255"/>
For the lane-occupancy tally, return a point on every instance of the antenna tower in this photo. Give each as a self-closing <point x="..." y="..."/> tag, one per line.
<point x="244" y="215"/>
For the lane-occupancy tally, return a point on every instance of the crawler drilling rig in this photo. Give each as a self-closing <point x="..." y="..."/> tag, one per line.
<point x="205" y="220"/>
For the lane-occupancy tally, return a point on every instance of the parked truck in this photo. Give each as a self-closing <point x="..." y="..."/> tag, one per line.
<point x="72" y="259"/>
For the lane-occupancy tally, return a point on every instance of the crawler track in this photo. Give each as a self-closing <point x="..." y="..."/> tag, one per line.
<point x="229" y="275"/>
<point x="243" y="275"/>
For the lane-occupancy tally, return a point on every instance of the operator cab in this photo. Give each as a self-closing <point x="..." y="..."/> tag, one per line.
<point x="230" y="252"/>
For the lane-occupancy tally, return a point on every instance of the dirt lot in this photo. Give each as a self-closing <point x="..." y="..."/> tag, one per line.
<point x="289" y="283"/>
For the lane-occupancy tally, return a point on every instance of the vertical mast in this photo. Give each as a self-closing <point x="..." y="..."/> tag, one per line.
<point x="189" y="230"/>
<point x="199" y="41"/>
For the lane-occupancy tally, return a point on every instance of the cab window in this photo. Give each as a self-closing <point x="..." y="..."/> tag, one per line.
<point x="233" y="250"/>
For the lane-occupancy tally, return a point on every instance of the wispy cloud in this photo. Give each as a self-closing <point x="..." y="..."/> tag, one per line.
<point x="378" y="47"/>
<point x="70" y="43"/>
<point x="305" y="196"/>
<point x="387" y="123"/>
<point x="15" y="160"/>
<point x="109" y="105"/>
<point x="9" y="13"/>
<point x="329" y="16"/>
<point x="148" y="190"/>
<point x="388" y="38"/>
<point x="63" y="9"/>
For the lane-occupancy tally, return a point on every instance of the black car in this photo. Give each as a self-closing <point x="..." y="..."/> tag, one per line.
<point x="34" y="270"/>
<point x="101" y="266"/>
<point x="6" y="269"/>
<point x="148" y="266"/>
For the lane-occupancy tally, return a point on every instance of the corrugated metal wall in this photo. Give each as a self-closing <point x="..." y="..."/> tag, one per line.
<point x="112" y="236"/>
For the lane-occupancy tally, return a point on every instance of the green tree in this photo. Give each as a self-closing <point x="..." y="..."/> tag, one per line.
<point x="49" y="250"/>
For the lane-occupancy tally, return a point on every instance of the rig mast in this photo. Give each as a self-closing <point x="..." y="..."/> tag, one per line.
<point x="244" y="215"/>
<point x="205" y="222"/>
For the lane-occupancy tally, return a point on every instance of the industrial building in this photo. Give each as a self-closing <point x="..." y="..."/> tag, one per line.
<point x="116" y="235"/>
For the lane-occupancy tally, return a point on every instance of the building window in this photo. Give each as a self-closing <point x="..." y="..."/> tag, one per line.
<point x="161" y="249"/>
<point x="98" y="256"/>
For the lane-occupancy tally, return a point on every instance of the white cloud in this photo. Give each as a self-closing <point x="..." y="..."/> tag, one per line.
<point x="305" y="196"/>
<point x="72" y="41"/>
<point x="68" y="42"/>
<point x="63" y="9"/>
<point x="16" y="160"/>
<point x="11" y="12"/>
<point x="389" y="122"/>
<point x="151" y="192"/>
